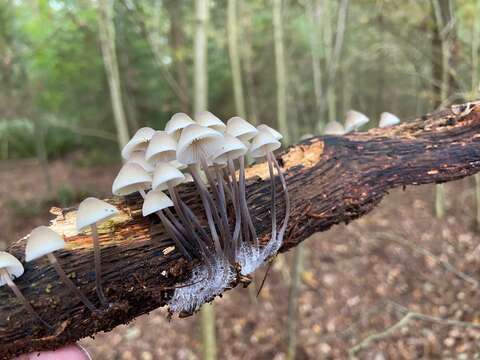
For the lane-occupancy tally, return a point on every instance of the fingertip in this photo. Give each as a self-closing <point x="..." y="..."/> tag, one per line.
<point x="70" y="352"/>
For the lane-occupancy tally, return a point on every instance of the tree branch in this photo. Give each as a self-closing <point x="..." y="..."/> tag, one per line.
<point x="330" y="179"/>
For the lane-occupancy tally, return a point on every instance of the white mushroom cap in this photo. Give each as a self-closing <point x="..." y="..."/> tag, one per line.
<point x="229" y="147"/>
<point x="263" y="143"/>
<point x="177" y="123"/>
<point x="164" y="173"/>
<point x="10" y="263"/>
<point x="139" y="141"/>
<point x="42" y="241"/>
<point x="207" y="119"/>
<point x="131" y="178"/>
<point x="241" y="129"/>
<point x="195" y="142"/>
<point x="162" y="147"/>
<point x="178" y="164"/>
<point x="275" y="133"/>
<point x="334" y="128"/>
<point x="155" y="201"/>
<point x="138" y="157"/>
<point x="388" y="119"/>
<point x="355" y="120"/>
<point x="92" y="211"/>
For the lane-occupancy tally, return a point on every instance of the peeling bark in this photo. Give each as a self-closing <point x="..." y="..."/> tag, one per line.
<point x="331" y="180"/>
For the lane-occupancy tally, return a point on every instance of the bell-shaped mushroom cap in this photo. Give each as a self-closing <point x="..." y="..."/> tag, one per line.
<point x="388" y="119"/>
<point x="207" y="119"/>
<point x="42" y="241"/>
<point x="178" y="164"/>
<point x="138" y="157"/>
<point x="334" y="128"/>
<point x="131" y="178"/>
<point x="241" y="129"/>
<point x="355" y="120"/>
<point x="195" y="142"/>
<point x="263" y="143"/>
<point x="139" y="141"/>
<point x="229" y="147"/>
<point x="177" y="123"/>
<point x="275" y="133"/>
<point x="164" y="173"/>
<point x="10" y="263"/>
<point x="155" y="201"/>
<point x="162" y="147"/>
<point x="92" y="211"/>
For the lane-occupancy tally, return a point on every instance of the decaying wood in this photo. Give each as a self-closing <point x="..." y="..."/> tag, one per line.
<point x="330" y="179"/>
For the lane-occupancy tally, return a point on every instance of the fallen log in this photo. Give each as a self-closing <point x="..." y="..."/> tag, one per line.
<point x="331" y="180"/>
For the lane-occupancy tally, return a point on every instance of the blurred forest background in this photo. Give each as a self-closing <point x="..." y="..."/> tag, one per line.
<point x="78" y="77"/>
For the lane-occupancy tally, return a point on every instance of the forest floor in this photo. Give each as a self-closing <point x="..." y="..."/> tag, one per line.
<point x="358" y="280"/>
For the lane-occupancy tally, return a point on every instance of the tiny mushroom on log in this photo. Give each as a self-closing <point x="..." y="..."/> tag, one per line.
<point x="139" y="141"/>
<point x="11" y="268"/>
<point x="388" y="119"/>
<point x="91" y="212"/>
<point x="355" y="120"/>
<point x="334" y="128"/>
<point x="44" y="241"/>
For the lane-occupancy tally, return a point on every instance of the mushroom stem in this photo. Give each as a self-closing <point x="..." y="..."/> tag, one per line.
<point x="223" y="223"/>
<point x="178" y="238"/>
<point x="273" y="204"/>
<point x="236" y="199"/>
<point x="6" y="276"/>
<point x="63" y="276"/>
<point x="287" y="200"/>
<point x="183" y="217"/>
<point x="206" y="204"/>
<point x="98" y="265"/>
<point x="243" y="200"/>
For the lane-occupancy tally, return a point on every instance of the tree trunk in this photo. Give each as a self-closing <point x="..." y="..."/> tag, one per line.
<point x="314" y="11"/>
<point x="280" y="71"/>
<point x="331" y="180"/>
<point x="207" y="318"/>
<point x="107" y="42"/>
<point x="235" y="58"/>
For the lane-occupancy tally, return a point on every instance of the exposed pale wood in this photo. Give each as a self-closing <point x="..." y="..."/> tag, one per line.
<point x="330" y="179"/>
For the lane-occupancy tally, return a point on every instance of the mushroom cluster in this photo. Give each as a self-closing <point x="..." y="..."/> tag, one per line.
<point x="354" y="120"/>
<point x="212" y="155"/>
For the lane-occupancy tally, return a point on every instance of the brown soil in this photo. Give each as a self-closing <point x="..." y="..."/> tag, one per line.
<point x="356" y="277"/>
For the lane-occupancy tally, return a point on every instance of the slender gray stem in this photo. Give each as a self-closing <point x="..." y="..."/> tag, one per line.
<point x="287" y="199"/>
<point x="206" y="204"/>
<point x="274" y="203"/>
<point x="66" y="280"/>
<point x="6" y="276"/>
<point x="98" y="265"/>
<point x="176" y="236"/>
<point x="243" y="200"/>
<point x="217" y="207"/>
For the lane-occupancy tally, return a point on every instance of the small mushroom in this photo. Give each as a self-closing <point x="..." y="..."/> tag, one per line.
<point x="138" y="157"/>
<point x="131" y="178"/>
<point x="388" y="119"/>
<point x="241" y="129"/>
<point x="195" y="147"/>
<point x="11" y="268"/>
<point x="91" y="212"/>
<point x="272" y="131"/>
<point x="162" y="147"/>
<point x="207" y="119"/>
<point x="263" y="144"/>
<point x="334" y="128"/>
<point x="177" y="123"/>
<point x="355" y="120"/>
<point x="139" y="141"/>
<point x="44" y="241"/>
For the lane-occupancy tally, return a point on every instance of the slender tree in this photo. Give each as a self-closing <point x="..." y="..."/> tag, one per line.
<point x="442" y="13"/>
<point x="107" y="42"/>
<point x="280" y="70"/>
<point x="207" y="314"/>
<point x="232" y="30"/>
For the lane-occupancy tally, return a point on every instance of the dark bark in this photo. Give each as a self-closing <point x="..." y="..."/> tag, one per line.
<point x="330" y="179"/>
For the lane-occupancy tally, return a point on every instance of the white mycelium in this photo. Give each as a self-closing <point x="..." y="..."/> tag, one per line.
<point x="212" y="155"/>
